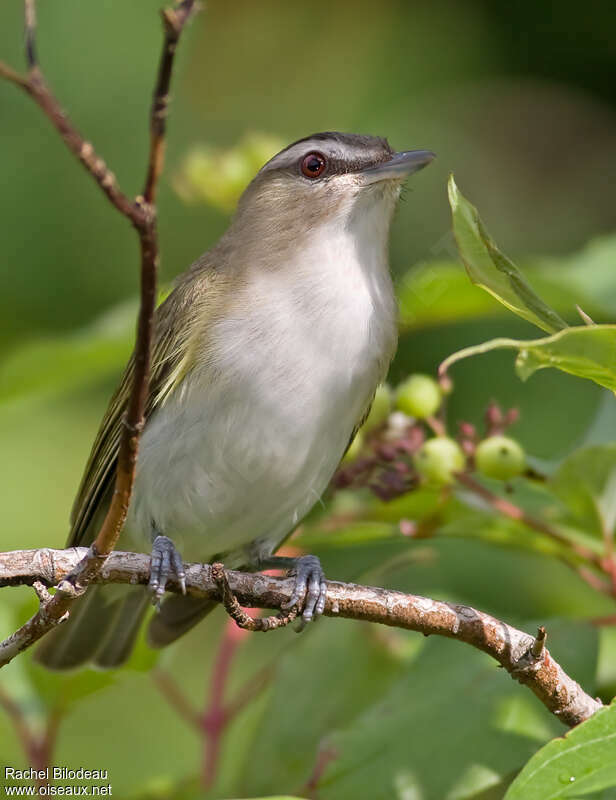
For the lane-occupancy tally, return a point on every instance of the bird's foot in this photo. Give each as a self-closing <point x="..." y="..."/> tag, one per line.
<point x="310" y="589"/>
<point x="166" y="563"/>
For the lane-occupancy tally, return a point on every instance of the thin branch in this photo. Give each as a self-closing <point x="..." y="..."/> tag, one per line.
<point x="38" y="747"/>
<point x="175" y="697"/>
<point x="174" y="20"/>
<point x="512" y="648"/>
<point x="142" y="214"/>
<point x="30" y="34"/>
<point x="237" y="613"/>
<point x="251" y="689"/>
<point x="218" y="714"/>
<point x="518" y="514"/>
<point x="50" y="735"/>
<point x="34" y="85"/>
<point x="325" y="755"/>
<point x="9" y="74"/>
<point x="21" y="727"/>
<point x="214" y="719"/>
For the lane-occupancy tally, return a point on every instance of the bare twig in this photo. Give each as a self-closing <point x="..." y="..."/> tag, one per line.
<point x="142" y="214"/>
<point x="175" y="697"/>
<point x="251" y="689"/>
<point x="586" y="319"/>
<point x="30" y="34"/>
<point x="606" y="565"/>
<point x="174" y="20"/>
<point x="512" y="648"/>
<point x="215" y="718"/>
<point x="38" y="746"/>
<point x="237" y="613"/>
<point x="518" y="514"/>
<point x="218" y="714"/>
<point x="325" y="755"/>
<point x="539" y="643"/>
<point x="34" y="85"/>
<point x="21" y="727"/>
<point x="436" y="425"/>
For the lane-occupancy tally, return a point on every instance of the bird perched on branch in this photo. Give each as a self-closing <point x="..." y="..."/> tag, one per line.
<point x="266" y="357"/>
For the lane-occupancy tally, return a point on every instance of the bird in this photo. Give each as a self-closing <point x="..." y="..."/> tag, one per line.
<point x="266" y="357"/>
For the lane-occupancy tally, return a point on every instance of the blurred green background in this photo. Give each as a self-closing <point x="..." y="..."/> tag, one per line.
<point x="519" y="101"/>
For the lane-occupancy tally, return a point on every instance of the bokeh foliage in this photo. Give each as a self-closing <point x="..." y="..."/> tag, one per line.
<point x="391" y="715"/>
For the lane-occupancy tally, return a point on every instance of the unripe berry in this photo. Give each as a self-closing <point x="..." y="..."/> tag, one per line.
<point x="500" y="457"/>
<point x="438" y="459"/>
<point x="419" y="396"/>
<point x="355" y="448"/>
<point x="381" y="407"/>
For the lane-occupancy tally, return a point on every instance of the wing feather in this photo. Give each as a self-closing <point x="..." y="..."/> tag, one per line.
<point x="178" y="325"/>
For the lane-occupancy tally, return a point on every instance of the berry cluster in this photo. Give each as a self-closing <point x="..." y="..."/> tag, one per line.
<point x="404" y="443"/>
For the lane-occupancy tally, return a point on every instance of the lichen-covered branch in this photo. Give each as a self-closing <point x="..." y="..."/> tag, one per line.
<point x="141" y="212"/>
<point x="525" y="657"/>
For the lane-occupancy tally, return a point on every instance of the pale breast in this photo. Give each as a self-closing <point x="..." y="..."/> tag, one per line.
<point x="249" y="442"/>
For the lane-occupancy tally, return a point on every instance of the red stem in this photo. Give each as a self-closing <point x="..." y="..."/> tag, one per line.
<point x="215" y="716"/>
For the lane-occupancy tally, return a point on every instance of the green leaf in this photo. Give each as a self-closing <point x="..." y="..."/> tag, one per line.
<point x="589" y="273"/>
<point x="378" y="705"/>
<point x="581" y="762"/>
<point x="436" y="293"/>
<point x="65" y="362"/>
<point x="585" y="351"/>
<point x="322" y="682"/>
<point x="606" y="667"/>
<point x="75" y="359"/>
<point x="492" y="270"/>
<point x="391" y="748"/>
<point x="586" y="484"/>
<point x="439" y="293"/>
<point x="64" y="690"/>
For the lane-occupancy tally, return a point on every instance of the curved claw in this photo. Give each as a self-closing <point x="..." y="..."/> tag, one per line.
<point x="310" y="590"/>
<point x="166" y="563"/>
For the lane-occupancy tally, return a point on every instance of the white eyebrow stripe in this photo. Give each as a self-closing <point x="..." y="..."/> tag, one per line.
<point x="290" y="156"/>
<point x="348" y="151"/>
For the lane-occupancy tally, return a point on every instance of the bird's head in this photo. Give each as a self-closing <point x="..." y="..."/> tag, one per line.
<point x="327" y="181"/>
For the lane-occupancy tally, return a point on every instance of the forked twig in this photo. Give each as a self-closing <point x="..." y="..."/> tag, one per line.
<point x="141" y="212"/>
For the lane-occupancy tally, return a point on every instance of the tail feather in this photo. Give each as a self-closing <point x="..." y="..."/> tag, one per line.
<point x="177" y="615"/>
<point x="117" y="645"/>
<point x="104" y="624"/>
<point x="101" y="629"/>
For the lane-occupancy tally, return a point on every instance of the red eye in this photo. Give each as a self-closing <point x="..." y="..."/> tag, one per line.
<point x="313" y="165"/>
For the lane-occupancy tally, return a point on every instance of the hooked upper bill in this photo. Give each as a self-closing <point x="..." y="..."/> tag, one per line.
<point x="400" y="165"/>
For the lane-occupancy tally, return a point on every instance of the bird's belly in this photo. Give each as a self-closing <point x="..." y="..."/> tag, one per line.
<point x="246" y="445"/>
<point x="219" y="470"/>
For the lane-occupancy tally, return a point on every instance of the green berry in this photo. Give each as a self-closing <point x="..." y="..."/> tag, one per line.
<point x="381" y="407"/>
<point x="419" y="396"/>
<point x="355" y="448"/>
<point x="438" y="459"/>
<point x="500" y="457"/>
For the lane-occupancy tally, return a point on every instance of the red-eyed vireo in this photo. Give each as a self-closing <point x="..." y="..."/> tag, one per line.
<point x="266" y="358"/>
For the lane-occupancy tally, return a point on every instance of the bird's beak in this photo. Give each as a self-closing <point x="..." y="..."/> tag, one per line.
<point x="399" y="166"/>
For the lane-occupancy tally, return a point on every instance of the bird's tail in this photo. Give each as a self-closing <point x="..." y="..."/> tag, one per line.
<point x="177" y="615"/>
<point x="102" y="629"/>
